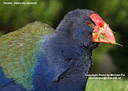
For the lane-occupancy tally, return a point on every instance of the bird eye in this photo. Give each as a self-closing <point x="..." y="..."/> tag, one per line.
<point x="90" y="23"/>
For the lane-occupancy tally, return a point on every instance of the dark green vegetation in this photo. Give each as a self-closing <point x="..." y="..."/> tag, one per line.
<point x="114" y="12"/>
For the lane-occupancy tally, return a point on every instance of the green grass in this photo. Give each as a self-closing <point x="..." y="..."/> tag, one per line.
<point x="107" y="85"/>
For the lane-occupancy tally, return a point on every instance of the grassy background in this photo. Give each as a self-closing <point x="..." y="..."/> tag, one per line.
<point x="107" y="85"/>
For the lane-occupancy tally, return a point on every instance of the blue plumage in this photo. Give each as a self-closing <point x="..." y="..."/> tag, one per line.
<point x="7" y="84"/>
<point x="51" y="62"/>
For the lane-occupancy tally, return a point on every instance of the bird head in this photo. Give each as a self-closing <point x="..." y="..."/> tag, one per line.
<point x="87" y="28"/>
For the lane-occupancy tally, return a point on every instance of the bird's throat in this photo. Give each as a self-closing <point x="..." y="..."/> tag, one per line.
<point x="70" y="62"/>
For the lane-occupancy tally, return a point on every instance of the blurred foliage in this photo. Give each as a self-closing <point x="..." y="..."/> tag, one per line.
<point x="1" y="33"/>
<point x="100" y="52"/>
<point x="15" y="16"/>
<point x="114" y="12"/>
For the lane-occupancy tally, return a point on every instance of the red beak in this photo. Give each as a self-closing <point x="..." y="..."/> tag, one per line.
<point x="102" y="32"/>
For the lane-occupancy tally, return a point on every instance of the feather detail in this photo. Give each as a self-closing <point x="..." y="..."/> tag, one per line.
<point x="19" y="52"/>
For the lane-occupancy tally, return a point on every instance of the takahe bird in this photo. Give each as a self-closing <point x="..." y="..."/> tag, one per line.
<point x="37" y="58"/>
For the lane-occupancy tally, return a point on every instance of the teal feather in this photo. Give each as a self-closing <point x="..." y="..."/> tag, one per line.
<point x="19" y="51"/>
